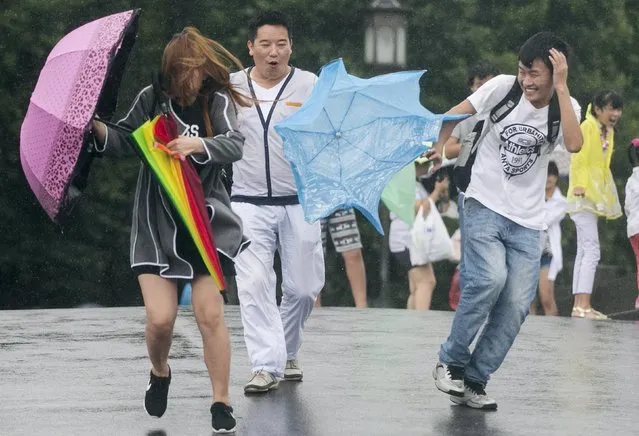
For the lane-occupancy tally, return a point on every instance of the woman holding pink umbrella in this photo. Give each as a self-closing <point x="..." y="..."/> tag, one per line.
<point x="197" y="94"/>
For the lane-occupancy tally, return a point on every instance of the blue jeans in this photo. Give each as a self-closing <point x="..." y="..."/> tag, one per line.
<point x="460" y="212"/>
<point x="499" y="273"/>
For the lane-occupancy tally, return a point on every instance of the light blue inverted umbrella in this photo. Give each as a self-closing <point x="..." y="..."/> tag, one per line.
<point x="352" y="135"/>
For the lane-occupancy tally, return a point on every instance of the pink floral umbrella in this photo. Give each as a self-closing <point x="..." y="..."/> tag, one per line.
<point x="80" y="78"/>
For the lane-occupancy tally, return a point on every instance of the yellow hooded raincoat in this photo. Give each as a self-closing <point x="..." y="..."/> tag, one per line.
<point x="590" y="169"/>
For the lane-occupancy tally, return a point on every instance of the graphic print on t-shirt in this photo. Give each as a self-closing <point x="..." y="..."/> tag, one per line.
<point x="520" y="147"/>
<point x="192" y="130"/>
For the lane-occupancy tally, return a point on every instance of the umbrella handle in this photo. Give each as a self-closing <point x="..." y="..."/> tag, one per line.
<point x="114" y="126"/>
<point x="173" y="154"/>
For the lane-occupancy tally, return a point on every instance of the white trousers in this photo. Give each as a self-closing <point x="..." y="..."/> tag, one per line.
<point x="588" y="253"/>
<point x="274" y="336"/>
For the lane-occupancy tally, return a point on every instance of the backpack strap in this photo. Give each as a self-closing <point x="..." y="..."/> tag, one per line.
<point x="554" y="119"/>
<point x="467" y="155"/>
<point x="470" y="144"/>
<point x="507" y="104"/>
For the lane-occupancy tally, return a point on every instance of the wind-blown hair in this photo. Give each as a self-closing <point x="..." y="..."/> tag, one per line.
<point x="188" y="53"/>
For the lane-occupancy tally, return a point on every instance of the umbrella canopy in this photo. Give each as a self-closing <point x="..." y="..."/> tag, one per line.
<point x="399" y="194"/>
<point x="182" y="185"/>
<point x="80" y="77"/>
<point x="352" y="135"/>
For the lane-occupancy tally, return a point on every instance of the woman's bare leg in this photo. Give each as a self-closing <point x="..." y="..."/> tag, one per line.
<point x="208" y="307"/>
<point x="547" y="294"/>
<point x="160" y="303"/>
<point x="424" y="281"/>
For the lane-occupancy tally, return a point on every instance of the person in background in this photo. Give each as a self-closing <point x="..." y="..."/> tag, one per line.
<point x="631" y="205"/>
<point x="478" y="74"/>
<point x="342" y="226"/>
<point x="421" y="278"/>
<point x="592" y="194"/>
<point x="551" y="254"/>
<point x="445" y="205"/>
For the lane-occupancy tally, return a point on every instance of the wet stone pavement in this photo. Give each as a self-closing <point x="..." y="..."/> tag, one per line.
<point x="84" y="372"/>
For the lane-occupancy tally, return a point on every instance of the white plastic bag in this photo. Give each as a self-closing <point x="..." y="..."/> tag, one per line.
<point x="430" y="239"/>
<point x="456" y="243"/>
<point x="421" y="236"/>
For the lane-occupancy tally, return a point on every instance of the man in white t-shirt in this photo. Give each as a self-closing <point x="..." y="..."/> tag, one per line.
<point x="264" y="195"/>
<point x="504" y="214"/>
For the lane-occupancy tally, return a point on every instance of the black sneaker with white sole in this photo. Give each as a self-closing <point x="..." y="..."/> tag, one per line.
<point x="156" y="395"/>
<point x="222" y="418"/>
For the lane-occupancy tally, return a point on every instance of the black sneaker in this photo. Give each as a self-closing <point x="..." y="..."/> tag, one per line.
<point x="156" y="393"/>
<point x="222" y="418"/>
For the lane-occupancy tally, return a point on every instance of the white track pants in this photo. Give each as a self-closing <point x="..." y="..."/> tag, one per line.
<point x="274" y="336"/>
<point x="588" y="252"/>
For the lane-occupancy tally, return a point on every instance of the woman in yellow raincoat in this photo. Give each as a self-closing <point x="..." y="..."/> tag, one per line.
<point x="592" y="194"/>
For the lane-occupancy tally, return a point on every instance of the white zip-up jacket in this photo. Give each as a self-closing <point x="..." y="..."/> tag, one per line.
<point x="263" y="176"/>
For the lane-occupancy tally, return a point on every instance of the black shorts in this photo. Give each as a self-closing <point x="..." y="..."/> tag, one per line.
<point x="228" y="268"/>
<point x="546" y="258"/>
<point x="402" y="258"/>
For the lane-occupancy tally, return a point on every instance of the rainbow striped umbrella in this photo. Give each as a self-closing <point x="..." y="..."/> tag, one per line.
<point x="183" y="186"/>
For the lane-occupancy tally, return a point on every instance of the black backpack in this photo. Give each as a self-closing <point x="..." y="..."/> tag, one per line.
<point x="470" y="144"/>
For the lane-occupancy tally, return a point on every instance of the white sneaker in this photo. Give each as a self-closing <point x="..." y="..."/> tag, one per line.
<point x="293" y="371"/>
<point x="476" y="398"/>
<point x="261" y="381"/>
<point x="449" y="379"/>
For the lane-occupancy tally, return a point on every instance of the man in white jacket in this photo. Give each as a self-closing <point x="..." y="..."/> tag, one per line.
<point x="264" y="195"/>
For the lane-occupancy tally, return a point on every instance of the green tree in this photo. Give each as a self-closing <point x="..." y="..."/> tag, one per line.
<point x="43" y="265"/>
